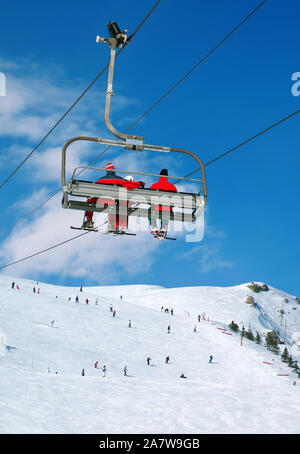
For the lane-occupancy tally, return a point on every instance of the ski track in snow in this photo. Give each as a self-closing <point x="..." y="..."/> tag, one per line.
<point x="237" y="393"/>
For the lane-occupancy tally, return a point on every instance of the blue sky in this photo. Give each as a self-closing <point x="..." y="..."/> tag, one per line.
<point x="49" y="55"/>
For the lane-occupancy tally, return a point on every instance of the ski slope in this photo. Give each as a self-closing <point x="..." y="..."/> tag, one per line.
<point x="237" y="393"/>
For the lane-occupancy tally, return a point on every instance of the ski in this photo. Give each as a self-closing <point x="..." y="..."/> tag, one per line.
<point x="162" y="238"/>
<point x="123" y="233"/>
<point x="83" y="228"/>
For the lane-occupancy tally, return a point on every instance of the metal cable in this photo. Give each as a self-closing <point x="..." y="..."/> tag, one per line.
<point x="78" y="99"/>
<point x="186" y="176"/>
<point x="60" y="120"/>
<point x="198" y="64"/>
<point x="151" y="108"/>
<point x="186" y="75"/>
<point x="49" y="248"/>
<point x="156" y="103"/>
<point x="244" y="143"/>
<point x="29" y="214"/>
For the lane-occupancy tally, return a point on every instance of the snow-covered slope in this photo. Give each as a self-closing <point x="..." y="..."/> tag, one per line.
<point x="237" y="393"/>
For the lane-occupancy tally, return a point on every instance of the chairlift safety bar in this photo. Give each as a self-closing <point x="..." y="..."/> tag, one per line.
<point x="134" y="173"/>
<point x="122" y="144"/>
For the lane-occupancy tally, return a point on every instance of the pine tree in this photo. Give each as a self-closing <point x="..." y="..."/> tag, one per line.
<point x="257" y="338"/>
<point x="290" y="361"/>
<point x="234" y="326"/>
<point x="285" y="355"/>
<point x="249" y="334"/>
<point x="272" y="341"/>
<point x="243" y="331"/>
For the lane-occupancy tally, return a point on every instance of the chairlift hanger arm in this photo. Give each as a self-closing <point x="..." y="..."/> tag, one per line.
<point x="116" y="40"/>
<point x="129" y="142"/>
<point x="132" y="142"/>
<point x="193" y="155"/>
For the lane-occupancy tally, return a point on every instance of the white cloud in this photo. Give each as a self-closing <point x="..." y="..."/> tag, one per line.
<point x="211" y="259"/>
<point x="36" y="99"/>
<point x="92" y="256"/>
<point x="33" y="104"/>
<point x="208" y="258"/>
<point x="29" y="203"/>
<point x="208" y="255"/>
<point x="30" y="106"/>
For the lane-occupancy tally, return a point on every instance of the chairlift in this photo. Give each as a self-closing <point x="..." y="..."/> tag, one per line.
<point x="139" y="202"/>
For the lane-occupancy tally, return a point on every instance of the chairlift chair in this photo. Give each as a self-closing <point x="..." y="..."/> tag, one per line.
<point x="186" y="206"/>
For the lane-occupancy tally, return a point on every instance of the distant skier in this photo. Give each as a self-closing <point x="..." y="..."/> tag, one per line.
<point x="129" y="324"/>
<point x="33" y="289"/>
<point x="81" y="288"/>
<point x="125" y="371"/>
<point x="83" y="372"/>
<point x="169" y="329"/>
<point x="47" y="370"/>
<point x="96" y="302"/>
<point x="13" y="285"/>
<point x="148" y="360"/>
<point x="162" y="308"/>
<point x="167" y="359"/>
<point x="96" y="365"/>
<point x="87" y="301"/>
<point x="182" y="376"/>
<point x="52" y="323"/>
<point x="104" y="371"/>
<point x="77" y="299"/>
<point x="199" y="318"/>
<point x="110" y="308"/>
<point x="38" y="291"/>
<point x="195" y="329"/>
<point x="18" y="288"/>
<point x="114" y="313"/>
<point x="69" y="299"/>
<point x="210" y="359"/>
<point x="121" y="297"/>
<point x="172" y="312"/>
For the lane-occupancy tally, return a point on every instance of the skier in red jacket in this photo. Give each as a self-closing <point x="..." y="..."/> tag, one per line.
<point x="116" y="222"/>
<point x="162" y="185"/>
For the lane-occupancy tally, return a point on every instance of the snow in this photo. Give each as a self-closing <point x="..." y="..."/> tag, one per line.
<point x="238" y="393"/>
